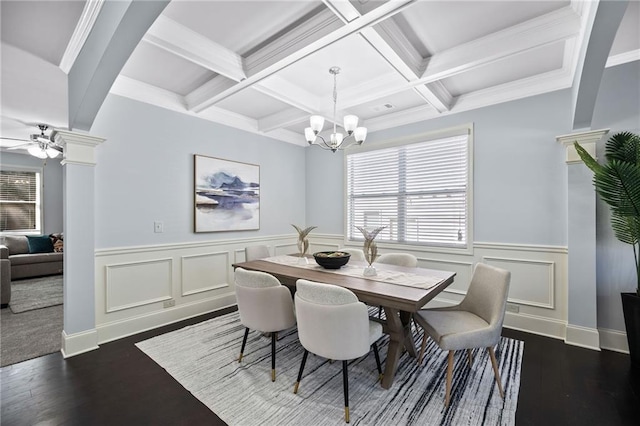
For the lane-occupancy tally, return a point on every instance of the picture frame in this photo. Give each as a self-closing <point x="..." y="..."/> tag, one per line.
<point x="226" y="195"/>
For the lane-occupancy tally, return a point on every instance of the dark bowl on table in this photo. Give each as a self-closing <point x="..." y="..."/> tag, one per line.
<point x="331" y="259"/>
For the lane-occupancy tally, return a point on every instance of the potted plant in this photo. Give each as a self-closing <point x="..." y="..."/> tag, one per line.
<point x="617" y="182"/>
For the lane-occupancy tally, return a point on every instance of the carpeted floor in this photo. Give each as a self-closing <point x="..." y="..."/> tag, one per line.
<point x="203" y="359"/>
<point x="29" y="334"/>
<point x="36" y="293"/>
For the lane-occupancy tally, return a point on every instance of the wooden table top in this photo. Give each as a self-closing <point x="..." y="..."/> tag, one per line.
<point x="372" y="292"/>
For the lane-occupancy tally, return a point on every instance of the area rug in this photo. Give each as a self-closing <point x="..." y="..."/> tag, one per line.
<point x="36" y="293"/>
<point x="203" y="359"/>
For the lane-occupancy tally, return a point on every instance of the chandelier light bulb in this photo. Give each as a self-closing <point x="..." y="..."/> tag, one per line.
<point x="317" y="122"/>
<point x="310" y="135"/>
<point x="360" y="134"/>
<point x="350" y="123"/>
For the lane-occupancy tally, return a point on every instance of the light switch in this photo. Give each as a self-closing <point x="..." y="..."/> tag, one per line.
<point x="158" y="227"/>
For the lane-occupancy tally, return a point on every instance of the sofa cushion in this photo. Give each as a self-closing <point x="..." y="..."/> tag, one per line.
<point x="17" y="244"/>
<point x="25" y="259"/>
<point x="39" y="244"/>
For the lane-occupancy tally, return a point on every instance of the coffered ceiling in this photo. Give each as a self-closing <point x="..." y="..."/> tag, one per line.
<point x="262" y="66"/>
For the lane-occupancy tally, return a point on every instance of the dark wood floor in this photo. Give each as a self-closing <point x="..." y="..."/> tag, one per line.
<point x="120" y="385"/>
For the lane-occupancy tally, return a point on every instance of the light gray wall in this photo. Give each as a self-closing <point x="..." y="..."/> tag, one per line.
<point x="617" y="108"/>
<point x="52" y="184"/>
<point x="519" y="171"/>
<point x="145" y="174"/>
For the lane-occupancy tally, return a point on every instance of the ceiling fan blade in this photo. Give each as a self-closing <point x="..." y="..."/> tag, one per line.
<point x="13" y="139"/>
<point x="19" y="146"/>
<point x="56" y="147"/>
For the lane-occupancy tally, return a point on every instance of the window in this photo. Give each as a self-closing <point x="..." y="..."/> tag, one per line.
<point x="20" y="200"/>
<point x="419" y="190"/>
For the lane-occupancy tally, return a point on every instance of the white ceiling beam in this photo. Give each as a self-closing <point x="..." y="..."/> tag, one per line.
<point x="295" y="52"/>
<point x="217" y="84"/>
<point x="83" y="29"/>
<point x="179" y="40"/>
<point x="549" y="28"/>
<point x="281" y="119"/>
<point x="388" y="39"/>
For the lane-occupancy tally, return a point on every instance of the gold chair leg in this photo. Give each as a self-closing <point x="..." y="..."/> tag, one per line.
<point x="469" y="357"/>
<point x="495" y="370"/>
<point x="273" y="375"/>
<point x="346" y="414"/>
<point x="422" y="348"/>
<point x="449" y="376"/>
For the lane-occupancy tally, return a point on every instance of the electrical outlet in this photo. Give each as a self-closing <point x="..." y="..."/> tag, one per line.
<point x="511" y="307"/>
<point x="158" y="227"/>
<point x="169" y="303"/>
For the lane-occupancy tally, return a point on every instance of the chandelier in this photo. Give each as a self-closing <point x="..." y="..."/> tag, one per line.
<point x="355" y="134"/>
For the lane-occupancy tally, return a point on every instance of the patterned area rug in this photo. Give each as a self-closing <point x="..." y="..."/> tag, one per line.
<point x="36" y="293"/>
<point x="203" y="359"/>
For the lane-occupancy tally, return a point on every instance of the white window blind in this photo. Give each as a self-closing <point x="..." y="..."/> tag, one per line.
<point x="19" y="201"/>
<point x="418" y="191"/>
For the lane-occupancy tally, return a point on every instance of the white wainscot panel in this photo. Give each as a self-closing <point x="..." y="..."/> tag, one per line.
<point x="463" y="271"/>
<point x="204" y="272"/>
<point x="137" y="283"/>
<point x="532" y="281"/>
<point x="280" y="249"/>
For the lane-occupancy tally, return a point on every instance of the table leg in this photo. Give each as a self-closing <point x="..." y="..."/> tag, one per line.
<point x="395" y="329"/>
<point x="409" y="343"/>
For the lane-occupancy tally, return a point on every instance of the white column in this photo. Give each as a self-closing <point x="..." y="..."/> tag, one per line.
<point x="79" y="333"/>
<point x="582" y="310"/>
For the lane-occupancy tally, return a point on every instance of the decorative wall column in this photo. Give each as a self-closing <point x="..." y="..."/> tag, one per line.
<point x="79" y="331"/>
<point x="582" y="309"/>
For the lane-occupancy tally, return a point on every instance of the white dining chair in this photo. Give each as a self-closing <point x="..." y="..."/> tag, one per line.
<point x="265" y="305"/>
<point x="474" y="323"/>
<point x="356" y="254"/>
<point x="256" y="252"/>
<point x="399" y="259"/>
<point x="333" y="324"/>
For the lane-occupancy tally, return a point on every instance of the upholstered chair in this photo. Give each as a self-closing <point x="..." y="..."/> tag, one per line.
<point x="333" y="324"/>
<point x="265" y="305"/>
<point x="399" y="259"/>
<point x="256" y="252"/>
<point x="356" y="254"/>
<point x="474" y="323"/>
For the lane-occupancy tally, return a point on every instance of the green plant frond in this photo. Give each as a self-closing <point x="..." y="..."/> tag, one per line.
<point x="586" y="158"/>
<point x="626" y="228"/>
<point x="618" y="185"/>
<point x="624" y="146"/>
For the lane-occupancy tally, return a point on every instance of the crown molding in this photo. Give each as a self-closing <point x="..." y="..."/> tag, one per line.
<point x="281" y="119"/>
<point x="179" y="40"/>
<point x="78" y="148"/>
<point x="80" y="33"/>
<point x="623" y="58"/>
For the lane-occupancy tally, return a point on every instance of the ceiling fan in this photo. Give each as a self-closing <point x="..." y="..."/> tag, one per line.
<point x="39" y="145"/>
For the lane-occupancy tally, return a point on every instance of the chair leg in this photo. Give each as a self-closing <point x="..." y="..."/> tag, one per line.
<point x="495" y="370"/>
<point x="304" y="360"/>
<point x="377" y="355"/>
<point x="244" y="342"/>
<point x="379" y="311"/>
<point x="273" y="357"/>
<point x="469" y="357"/>
<point x="345" y="381"/>
<point x="423" y="347"/>
<point x="449" y="376"/>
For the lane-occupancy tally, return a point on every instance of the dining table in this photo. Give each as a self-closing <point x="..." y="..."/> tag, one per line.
<point x="400" y="291"/>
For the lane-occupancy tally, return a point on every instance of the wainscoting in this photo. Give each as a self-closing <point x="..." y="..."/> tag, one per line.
<point x="141" y="288"/>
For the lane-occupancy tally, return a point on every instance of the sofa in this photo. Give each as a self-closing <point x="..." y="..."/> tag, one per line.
<point x="26" y="257"/>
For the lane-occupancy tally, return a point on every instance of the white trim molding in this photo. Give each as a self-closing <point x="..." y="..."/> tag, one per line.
<point x="585" y="337"/>
<point x="614" y="340"/>
<point x="80" y="34"/>
<point x="587" y="140"/>
<point x="79" y="343"/>
<point x="78" y="148"/>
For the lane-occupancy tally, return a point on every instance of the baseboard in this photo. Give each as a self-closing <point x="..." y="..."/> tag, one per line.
<point x="134" y="325"/>
<point x="78" y="343"/>
<point x="613" y="340"/>
<point x="548" y="327"/>
<point x="585" y="337"/>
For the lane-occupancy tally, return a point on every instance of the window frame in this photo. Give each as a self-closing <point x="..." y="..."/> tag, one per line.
<point x="39" y="221"/>
<point x="465" y="129"/>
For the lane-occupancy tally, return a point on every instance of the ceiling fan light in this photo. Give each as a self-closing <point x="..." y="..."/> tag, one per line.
<point x="360" y="134"/>
<point x="316" y="121"/>
<point x="36" y="151"/>
<point x="52" y="153"/>
<point x="350" y="123"/>
<point x="309" y="135"/>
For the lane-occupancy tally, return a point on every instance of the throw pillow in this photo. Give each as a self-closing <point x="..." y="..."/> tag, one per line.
<point x="39" y="244"/>
<point x="58" y="242"/>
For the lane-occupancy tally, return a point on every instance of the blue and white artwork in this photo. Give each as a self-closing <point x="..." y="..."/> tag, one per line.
<point x="227" y="195"/>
